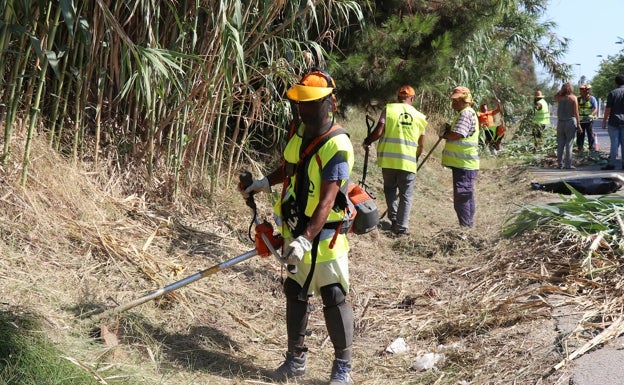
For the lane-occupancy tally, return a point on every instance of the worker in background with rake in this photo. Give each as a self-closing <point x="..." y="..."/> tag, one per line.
<point x="461" y="154"/>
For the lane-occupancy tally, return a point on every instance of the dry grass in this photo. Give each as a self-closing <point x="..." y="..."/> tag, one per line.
<point x="72" y="243"/>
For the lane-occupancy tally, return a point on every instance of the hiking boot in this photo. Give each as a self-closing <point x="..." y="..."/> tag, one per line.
<point x="291" y="367"/>
<point x="340" y="372"/>
<point x="398" y="230"/>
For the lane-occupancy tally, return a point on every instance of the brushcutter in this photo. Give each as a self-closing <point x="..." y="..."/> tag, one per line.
<point x="266" y="244"/>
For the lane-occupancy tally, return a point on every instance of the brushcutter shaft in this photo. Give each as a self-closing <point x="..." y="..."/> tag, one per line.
<point x="181" y="283"/>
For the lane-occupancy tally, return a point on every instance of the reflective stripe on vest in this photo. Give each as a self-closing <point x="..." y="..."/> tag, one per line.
<point x="463" y="153"/>
<point x="339" y="143"/>
<point x="542" y="116"/>
<point x="399" y="143"/>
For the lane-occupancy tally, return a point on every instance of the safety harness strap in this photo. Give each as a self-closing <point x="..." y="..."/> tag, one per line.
<point x="303" y="294"/>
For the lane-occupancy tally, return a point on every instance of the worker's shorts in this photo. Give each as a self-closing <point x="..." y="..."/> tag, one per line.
<point x="325" y="273"/>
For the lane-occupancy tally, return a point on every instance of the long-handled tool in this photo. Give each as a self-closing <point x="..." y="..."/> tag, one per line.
<point x="369" y="128"/>
<point x="263" y="232"/>
<point x="266" y="244"/>
<point x="428" y="154"/>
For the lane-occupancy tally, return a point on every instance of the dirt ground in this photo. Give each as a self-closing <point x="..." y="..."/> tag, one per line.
<point x="73" y="243"/>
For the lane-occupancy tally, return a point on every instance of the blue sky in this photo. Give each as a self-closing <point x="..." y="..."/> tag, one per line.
<point x="593" y="27"/>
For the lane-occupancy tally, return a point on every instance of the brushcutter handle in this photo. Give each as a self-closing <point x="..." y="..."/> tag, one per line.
<point x="245" y="179"/>
<point x="370" y="122"/>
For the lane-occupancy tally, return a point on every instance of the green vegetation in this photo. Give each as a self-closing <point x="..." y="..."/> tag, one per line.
<point x="27" y="357"/>
<point x="179" y="95"/>
<point x="604" y="81"/>
<point x="489" y="46"/>
<point x="578" y="218"/>
<point x="182" y="87"/>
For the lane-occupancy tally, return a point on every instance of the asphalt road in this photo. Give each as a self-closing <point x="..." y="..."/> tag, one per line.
<point x="547" y="175"/>
<point x="603" y="135"/>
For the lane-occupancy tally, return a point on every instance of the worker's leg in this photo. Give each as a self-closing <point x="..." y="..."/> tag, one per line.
<point x="589" y="131"/>
<point x="407" y="180"/>
<point x="339" y="320"/>
<point x="463" y="195"/>
<point x="580" y="139"/>
<point x="297" y="314"/>
<point x="390" y="186"/>
<point x="570" y="133"/>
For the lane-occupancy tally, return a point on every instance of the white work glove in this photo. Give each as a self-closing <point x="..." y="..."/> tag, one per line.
<point x="258" y="185"/>
<point x="296" y="249"/>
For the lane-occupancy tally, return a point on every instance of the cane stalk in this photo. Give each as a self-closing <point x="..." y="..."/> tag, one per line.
<point x="34" y="112"/>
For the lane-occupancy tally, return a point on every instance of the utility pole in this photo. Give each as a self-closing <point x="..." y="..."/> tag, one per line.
<point x="580" y="81"/>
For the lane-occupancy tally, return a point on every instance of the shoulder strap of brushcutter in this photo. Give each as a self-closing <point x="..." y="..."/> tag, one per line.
<point x="342" y="198"/>
<point x="304" y="158"/>
<point x="302" y="181"/>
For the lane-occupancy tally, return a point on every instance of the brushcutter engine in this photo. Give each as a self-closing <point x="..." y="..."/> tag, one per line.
<point x="264" y="234"/>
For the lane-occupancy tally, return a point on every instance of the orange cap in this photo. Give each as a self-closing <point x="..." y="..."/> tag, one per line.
<point x="461" y="92"/>
<point x="406" y="91"/>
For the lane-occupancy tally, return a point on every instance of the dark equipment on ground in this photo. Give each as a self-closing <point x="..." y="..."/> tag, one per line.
<point x="367" y="217"/>
<point x="585" y="186"/>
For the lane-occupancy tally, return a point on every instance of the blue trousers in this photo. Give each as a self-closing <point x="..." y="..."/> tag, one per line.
<point x="616" y="135"/>
<point x="463" y="195"/>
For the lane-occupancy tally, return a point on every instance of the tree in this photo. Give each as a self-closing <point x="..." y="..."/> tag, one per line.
<point x="604" y="81"/>
<point x="485" y="45"/>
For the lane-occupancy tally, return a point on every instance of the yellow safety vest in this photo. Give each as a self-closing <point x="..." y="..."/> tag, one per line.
<point x="542" y="116"/>
<point x="338" y="143"/>
<point x="463" y="153"/>
<point x="397" y="147"/>
<point x="585" y="109"/>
